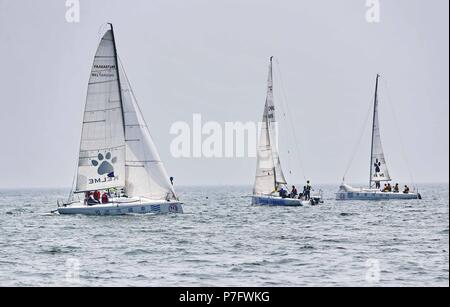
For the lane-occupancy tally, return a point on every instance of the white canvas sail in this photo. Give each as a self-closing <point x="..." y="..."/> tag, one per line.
<point x="145" y="173"/>
<point x="379" y="171"/>
<point x="102" y="148"/>
<point x="268" y="171"/>
<point x="265" y="167"/>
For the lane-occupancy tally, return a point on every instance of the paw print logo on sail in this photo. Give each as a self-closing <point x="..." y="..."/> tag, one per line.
<point x="377" y="168"/>
<point x="104" y="164"/>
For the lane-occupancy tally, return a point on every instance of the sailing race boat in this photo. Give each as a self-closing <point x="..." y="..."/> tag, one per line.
<point x="378" y="170"/>
<point x="269" y="174"/>
<point x="117" y="155"/>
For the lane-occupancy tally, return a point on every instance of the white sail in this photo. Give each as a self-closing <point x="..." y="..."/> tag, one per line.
<point x="265" y="167"/>
<point x="268" y="171"/>
<point x="102" y="148"/>
<point x="145" y="173"/>
<point x="379" y="171"/>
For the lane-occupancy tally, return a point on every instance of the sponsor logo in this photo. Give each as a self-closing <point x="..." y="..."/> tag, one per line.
<point x="173" y="208"/>
<point x="105" y="66"/>
<point x="104" y="164"/>
<point x="105" y="167"/>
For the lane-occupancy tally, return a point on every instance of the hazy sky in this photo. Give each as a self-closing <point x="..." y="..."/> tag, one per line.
<point x="210" y="57"/>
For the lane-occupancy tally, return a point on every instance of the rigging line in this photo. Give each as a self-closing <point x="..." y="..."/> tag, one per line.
<point x="284" y="95"/>
<point x="72" y="189"/>
<point x="281" y="135"/>
<point x="284" y="110"/>
<point x="358" y="143"/>
<point x="403" y="152"/>
<point x="291" y="134"/>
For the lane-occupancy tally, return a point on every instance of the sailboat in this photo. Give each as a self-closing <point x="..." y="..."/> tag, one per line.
<point x="269" y="177"/>
<point x="118" y="158"/>
<point x="379" y="172"/>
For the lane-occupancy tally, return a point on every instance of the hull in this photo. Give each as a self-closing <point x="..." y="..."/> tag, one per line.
<point x="123" y="208"/>
<point x="376" y="196"/>
<point x="283" y="202"/>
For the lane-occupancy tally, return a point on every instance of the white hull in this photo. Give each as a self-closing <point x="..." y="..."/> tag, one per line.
<point x="122" y="208"/>
<point x="348" y="193"/>
<point x="264" y="200"/>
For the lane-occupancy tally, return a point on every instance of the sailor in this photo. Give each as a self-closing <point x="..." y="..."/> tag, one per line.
<point x="385" y="188"/>
<point x="396" y="188"/>
<point x="377" y="185"/>
<point x="294" y="192"/>
<point x="97" y="196"/>
<point x="308" y="190"/>
<point x="91" y="200"/>
<point x="86" y="197"/>
<point x="282" y="192"/>
<point x="389" y="187"/>
<point x="406" y="190"/>
<point x="105" y="198"/>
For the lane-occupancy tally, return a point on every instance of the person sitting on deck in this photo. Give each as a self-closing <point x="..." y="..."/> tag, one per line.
<point x="91" y="200"/>
<point x="385" y="189"/>
<point x="97" y="196"/>
<point x="105" y="198"/>
<point x="301" y="194"/>
<point x="123" y="193"/>
<point x="389" y="187"/>
<point x="396" y="188"/>
<point x="406" y="190"/>
<point x="294" y="192"/>
<point x="283" y="193"/>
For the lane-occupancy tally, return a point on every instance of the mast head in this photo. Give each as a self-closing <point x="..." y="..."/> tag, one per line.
<point x="110" y="26"/>
<point x="271" y="59"/>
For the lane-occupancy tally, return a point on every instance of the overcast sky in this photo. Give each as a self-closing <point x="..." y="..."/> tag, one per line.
<point x="210" y="57"/>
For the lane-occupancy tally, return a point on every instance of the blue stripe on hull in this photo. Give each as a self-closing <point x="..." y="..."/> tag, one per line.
<point x="123" y="209"/>
<point x="276" y="201"/>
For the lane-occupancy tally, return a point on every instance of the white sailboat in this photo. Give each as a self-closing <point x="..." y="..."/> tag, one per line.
<point x="269" y="173"/>
<point x="117" y="155"/>
<point x="379" y="172"/>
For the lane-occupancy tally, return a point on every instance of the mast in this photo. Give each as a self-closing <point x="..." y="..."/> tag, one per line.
<point x="375" y="105"/>
<point x="118" y="78"/>
<point x="267" y="120"/>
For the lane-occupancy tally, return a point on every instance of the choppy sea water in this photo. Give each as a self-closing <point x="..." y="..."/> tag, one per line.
<point x="222" y="240"/>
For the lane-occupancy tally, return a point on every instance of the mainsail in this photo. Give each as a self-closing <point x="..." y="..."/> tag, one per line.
<point x="116" y="149"/>
<point x="145" y="173"/>
<point x="102" y="148"/>
<point x="269" y="173"/>
<point x="378" y="168"/>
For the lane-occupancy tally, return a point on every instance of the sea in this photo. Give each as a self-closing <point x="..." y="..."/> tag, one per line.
<point x="222" y="240"/>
